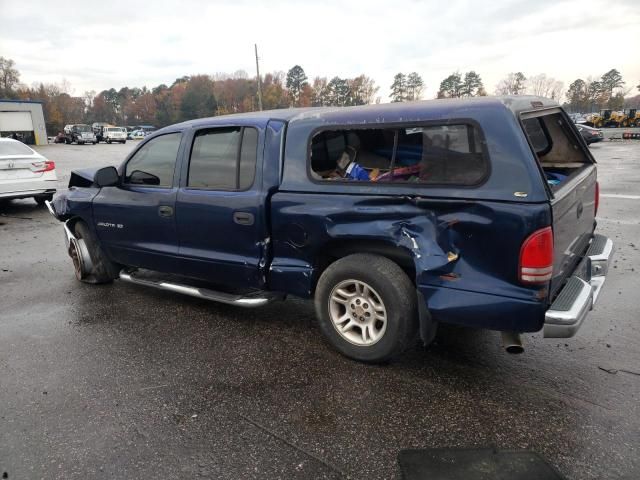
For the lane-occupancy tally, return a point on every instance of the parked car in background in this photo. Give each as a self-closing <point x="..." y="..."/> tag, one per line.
<point x="25" y="173"/>
<point x="590" y="134"/>
<point x="578" y="118"/>
<point x="147" y="129"/>
<point x="111" y="134"/>
<point x="394" y="218"/>
<point x="79" y="133"/>
<point x="97" y="128"/>
<point x="136" y="135"/>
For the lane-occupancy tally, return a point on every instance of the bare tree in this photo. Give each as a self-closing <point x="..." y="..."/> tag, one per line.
<point x="88" y="97"/>
<point x="512" y="84"/>
<point x="9" y="76"/>
<point x="363" y="89"/>
<point x="544" y="86"/>
<point x="66" y="87"/>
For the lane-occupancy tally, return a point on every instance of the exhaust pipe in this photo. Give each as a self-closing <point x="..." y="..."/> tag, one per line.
<point x="512" y="342"/>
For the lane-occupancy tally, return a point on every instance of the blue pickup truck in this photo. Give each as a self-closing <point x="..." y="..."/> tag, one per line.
<point x="393" y="218"/>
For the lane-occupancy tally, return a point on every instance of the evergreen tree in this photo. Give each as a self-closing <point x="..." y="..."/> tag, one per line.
<point x="399" y="88"/>
<point x="296" y="81"/>
<point x="577" y="96"/>
<point x="338" y="92"/>
<point x="451" y="86"/>
<point x="471" y="85"/>
<point x="611" y="80"/>
<point x="415" y="84"/>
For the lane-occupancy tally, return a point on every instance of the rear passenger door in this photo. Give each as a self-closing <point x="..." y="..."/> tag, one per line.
<point x="219" y="208"/>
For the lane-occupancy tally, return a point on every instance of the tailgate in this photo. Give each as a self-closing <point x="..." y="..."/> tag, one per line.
<point x="573" y="209"/>
<point x="570" y="173"/>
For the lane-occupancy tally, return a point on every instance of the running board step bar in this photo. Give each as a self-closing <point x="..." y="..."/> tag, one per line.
<point x="247" y="301"/>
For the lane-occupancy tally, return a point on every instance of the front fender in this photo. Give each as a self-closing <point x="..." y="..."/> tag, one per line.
<point x="75" y="202"/>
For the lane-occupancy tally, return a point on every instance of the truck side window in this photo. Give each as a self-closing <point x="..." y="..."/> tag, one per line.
<point x="248" y="156"/>
<point x="223" y="159"/>
<point x="450" y="154"/>
<point x="155" y="162"/>
<point x="537" y="135"/>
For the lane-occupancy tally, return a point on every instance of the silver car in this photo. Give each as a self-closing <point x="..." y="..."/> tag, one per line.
<point x="25" y="173"/>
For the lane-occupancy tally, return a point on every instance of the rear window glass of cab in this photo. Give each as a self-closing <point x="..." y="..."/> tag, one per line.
<point x="449" y="154"/>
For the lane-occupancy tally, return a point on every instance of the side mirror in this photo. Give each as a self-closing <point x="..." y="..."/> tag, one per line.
<point x="106" y="177"/>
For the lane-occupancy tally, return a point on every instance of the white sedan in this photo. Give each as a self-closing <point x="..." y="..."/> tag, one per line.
<point x="25" y="173"/>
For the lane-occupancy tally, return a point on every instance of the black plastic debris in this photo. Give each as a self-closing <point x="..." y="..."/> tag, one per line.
<point x="475" y="464"/>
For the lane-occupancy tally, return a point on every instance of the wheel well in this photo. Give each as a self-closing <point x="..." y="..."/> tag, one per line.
<point x="73" y="221"/>
<point x="338" y="249"/>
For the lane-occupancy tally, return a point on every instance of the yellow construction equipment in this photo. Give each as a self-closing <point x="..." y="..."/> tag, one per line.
<point x="633" y="118"/>
<point x="594" y="120"/>
<point x="616" y="119"/>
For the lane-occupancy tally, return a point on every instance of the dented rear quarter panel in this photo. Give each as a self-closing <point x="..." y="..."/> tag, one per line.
<point x="465" y="254"/>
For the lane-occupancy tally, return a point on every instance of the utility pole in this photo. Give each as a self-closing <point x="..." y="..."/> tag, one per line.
<point x="259" y="81"/>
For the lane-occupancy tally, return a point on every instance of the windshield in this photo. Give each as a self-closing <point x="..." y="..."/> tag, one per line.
<point x="14" y="148"/>
<point x="83" y="128"/>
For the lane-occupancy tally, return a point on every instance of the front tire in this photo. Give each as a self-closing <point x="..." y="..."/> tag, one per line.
<point x="100" y="269"/>
<point x="367" y="308"/>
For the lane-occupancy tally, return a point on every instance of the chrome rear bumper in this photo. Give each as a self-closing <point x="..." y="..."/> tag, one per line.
<point x="579" y="294"/>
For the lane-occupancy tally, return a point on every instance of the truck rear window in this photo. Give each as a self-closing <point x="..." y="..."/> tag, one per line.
<point x="556" y="145"/>
<point x="422" y="154"/>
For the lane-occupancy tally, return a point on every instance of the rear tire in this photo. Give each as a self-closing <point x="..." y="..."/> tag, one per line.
<point x="367" y="308"/>
<point x="102" y="269"/>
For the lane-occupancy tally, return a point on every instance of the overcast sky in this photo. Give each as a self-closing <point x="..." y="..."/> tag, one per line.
<point x="98" y="45"/>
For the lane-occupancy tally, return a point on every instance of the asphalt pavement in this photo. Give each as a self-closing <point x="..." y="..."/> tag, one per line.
<point x="122" y="381"/>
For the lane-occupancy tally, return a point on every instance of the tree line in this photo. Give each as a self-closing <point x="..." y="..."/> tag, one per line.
<point x="197" y="96"/>
<point x="583" y="95"/>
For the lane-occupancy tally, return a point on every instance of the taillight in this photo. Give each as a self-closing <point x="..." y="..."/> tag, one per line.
<point x="597" y="198"/>
<point x="536" y="257"/>
<point x="47" y="166"/>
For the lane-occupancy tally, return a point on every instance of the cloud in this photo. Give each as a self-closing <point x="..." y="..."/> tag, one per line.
<point x="126" y="46"/>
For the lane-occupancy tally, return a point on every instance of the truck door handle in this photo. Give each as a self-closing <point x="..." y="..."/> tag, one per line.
<point x="243" y="218"/>
<point x="165" y="211"/>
